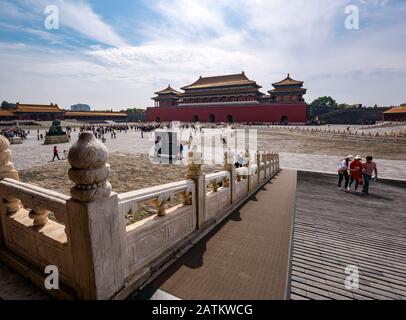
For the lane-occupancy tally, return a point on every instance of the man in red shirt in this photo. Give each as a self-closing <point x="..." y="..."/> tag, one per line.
<point x="356" y="167"/>
<point x="369" y="168"/>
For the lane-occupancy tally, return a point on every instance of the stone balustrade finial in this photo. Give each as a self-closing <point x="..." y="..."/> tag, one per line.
<point x="246" y="158"/>
<point x="228" y="158"/>
<point x="194" y="157"/>
<point x="90" y="170"/>
<point x="7" y="169"/>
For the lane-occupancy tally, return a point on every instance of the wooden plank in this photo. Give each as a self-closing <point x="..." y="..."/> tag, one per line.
<point x="334" y="229"/>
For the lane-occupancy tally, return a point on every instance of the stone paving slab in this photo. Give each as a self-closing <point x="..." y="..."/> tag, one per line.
<point x="246" y="256"/>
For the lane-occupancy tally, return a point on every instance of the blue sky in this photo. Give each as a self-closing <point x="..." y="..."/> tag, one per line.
<point x="115" y="54"/>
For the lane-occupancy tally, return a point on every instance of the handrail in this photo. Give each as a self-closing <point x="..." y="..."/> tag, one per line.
<point x="129" y="201"/>
<point x="218" y="176"/>
<point x="33" y="197"/>
<point x="153" y="192"/>
<point x="242" y="171"/>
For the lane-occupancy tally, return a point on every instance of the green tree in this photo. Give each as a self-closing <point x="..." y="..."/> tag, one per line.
<point x="344" y="105"/>
<point x="325" y="101"/>
<point x="7" y="106"/>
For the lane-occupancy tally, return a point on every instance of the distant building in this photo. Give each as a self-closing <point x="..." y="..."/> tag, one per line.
<point x="136" y="115"/>
<point x="231" y="98"/>
<point x="94" y="116"/>
<point x="38" y="112"/>
<point x="287" y="91"/>
<point x="6" y="115"/>
<point x="43" y="112"/>
<point x="395" y="114"/>
<point x="80" y="107"/>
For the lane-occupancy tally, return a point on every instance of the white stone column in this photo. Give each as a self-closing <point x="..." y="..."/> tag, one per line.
<point x="229" y="165"/>
<point x="247" y="164"/>
<point x="194" y="172"/>
<point x="95" y="228"/>
<point x="277" y="162"/>
<point x="8" y="205"/>
<point x="259" y="167"/>
<point x="268" y="159"/>
<point x="7" y="170"/>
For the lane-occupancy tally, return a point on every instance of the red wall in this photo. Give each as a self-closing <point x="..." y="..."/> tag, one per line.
<point x="247" y="113"/>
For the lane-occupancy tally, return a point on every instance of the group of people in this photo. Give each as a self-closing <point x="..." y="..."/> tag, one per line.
<point x="15" y="132"/>
<point x="355" y="170"/>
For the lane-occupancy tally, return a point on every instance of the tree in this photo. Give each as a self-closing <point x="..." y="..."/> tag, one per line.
<point x="7" y="106"/>
<point x="325" y="101"/>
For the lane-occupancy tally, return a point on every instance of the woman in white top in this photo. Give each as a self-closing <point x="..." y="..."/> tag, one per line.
<point x="343" y="173"/>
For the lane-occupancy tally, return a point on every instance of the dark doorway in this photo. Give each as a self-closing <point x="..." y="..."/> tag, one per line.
<point x="158" y="119"/>
<point x="195" y="118"/>
<point x="230" y="118"/>
<point x="284" y="120"/>
<point x="212" y="118"/>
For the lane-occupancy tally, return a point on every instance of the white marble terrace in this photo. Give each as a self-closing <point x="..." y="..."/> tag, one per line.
<point x="98" y="255"/>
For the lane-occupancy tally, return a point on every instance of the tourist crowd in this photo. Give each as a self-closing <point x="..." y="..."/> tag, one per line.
<point x="355" y="170"/>
<point x="14" y="132"/>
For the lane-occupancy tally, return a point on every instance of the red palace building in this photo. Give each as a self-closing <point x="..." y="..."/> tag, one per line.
<point x="231" y="98"/>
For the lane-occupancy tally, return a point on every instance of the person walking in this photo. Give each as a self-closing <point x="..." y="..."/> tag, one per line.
<point x="343" y="173"/>
<point x="369" y="168"/>
<point x="56" y="155"/>
<point x="356" y="167"/>
<point x="181" y="151"/>
<point x="240" y="161"/>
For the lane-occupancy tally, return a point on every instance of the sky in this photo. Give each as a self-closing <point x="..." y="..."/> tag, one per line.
<point x="116" y="54"/>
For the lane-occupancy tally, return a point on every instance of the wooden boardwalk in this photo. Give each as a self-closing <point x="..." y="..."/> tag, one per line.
<point x="334" y="229"/>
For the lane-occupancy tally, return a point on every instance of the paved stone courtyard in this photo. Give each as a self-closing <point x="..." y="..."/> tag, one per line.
<point x="33" y="153"/>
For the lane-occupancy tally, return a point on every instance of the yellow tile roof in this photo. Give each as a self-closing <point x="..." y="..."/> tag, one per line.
<point x="220" y="81"/>
<point x="401" y="109"/>
<point x="287" y="81"/>
<point x="94" y="113"/>
<point x="6" y="113"/>
<point x="168" y="90"/>
<point x="41" y="108"/>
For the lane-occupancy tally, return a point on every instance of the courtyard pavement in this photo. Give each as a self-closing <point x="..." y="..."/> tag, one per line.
<point x="33" y="153"/>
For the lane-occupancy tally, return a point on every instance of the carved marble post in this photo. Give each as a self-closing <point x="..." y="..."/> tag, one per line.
<point x="8" y="205"/>
<point x="259" y="167"/>
<point x="273" y="162"/>
<point x="7" y="170"/>
<point x="246" y="158"/>
<point x="96" y="230"/>
<point x="229" y="165"/>
<point x="246" y="163"/>
<point x="277" y="161"/>
<point x="194" y="172"/>
<point x="268" y="159"/>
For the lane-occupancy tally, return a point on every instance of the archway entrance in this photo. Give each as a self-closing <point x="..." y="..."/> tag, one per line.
<point x="284" y="120"/>
<point x="212" y="118"/>
<point x="158" y="119"/>
<point x="195" y="118"/>
<point x="230" y="119"/>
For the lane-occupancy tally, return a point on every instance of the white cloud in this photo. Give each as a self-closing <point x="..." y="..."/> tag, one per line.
<point x="266" y="39"/>
<point x="80" y="17"/>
